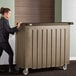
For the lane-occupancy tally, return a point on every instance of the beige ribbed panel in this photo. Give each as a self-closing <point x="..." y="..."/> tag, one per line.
<point x="28" y="47"/>
<point x="62" y="49"/>
<point x="20" y="47"/>
<point x="53" y="47"/>
<point x="67" y="44"/>
<point x="49" y="48"/>
<point x="35" y="49"/>
<point x="43" y="46"/>
<point x="39" y="34"/>
<point x="58" y="47"/>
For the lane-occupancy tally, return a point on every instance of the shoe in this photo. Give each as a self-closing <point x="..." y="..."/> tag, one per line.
<point x="11" y="70"/>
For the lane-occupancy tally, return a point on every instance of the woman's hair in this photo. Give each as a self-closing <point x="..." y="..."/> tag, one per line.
<point x="4" y="10"/>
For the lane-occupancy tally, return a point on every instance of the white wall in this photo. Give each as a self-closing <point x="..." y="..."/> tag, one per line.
<point x="69" y="14"/>
<point x="9" y="4"/>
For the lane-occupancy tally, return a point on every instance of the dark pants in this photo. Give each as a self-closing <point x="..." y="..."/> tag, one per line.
<point x="7" y="48"/>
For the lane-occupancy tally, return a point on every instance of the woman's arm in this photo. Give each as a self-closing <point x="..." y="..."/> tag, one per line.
<point x="8" y="29"/>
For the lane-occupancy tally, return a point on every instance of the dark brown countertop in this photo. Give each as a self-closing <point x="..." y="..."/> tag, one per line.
<point x="45" y="24"/>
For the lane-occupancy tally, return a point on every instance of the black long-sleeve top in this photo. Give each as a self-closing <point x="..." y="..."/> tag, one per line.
<point x="5" y="30"/>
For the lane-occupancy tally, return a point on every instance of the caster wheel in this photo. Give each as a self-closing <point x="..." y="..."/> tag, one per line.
<point x="65" y="67"/>
<point x="25" y="71"/>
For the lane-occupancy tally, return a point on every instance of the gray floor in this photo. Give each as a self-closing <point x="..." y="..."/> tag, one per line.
<point x="71" y="71"/>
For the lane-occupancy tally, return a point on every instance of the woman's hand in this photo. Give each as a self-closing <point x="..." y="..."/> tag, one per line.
<point x="18" y="24"/>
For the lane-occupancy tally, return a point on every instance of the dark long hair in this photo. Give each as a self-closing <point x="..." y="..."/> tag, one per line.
<point x="4" y="10"/>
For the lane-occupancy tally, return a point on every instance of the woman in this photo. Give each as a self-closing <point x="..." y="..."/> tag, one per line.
<point x="5" y="30"/>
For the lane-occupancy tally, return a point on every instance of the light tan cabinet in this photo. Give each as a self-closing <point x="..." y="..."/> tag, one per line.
<point x="43" y="45"/>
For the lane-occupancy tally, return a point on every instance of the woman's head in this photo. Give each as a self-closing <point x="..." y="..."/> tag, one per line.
<point x="6" y="12"/>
